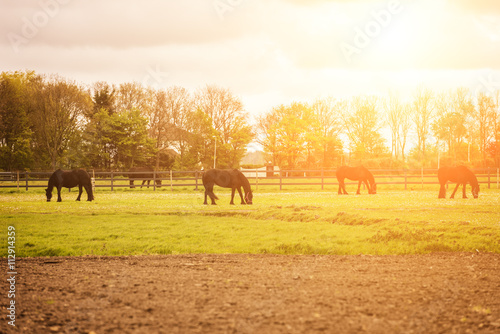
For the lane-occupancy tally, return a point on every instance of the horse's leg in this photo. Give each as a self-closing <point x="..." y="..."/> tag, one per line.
<point x="342" y="187"/>
<point x="59" y="199"/>
<point x="368" y="186"/>
<point x="212" y="195"/>
<point x="232" y="196"/>
<point x="131" y="184"/>
<point x="442" y="191"/>
<point x="143" y="181"/>
<point x="359" y="187"/>
<point x="80" y="190"/>
<point x="241" y="196"/>
<point x="454" y="191"/>
<point x="209" y="191"/>
<point x="88" y="189"/>
<point x="464" y="194"/>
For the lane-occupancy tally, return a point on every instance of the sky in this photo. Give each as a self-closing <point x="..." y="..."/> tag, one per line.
<point x="267" y="52"/>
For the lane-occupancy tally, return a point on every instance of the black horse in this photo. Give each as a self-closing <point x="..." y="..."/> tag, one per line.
<point x="227" y="178"/>
<point x="459" y="175"/>
<point x="142" y="173"/>
<point x="360" y="174"/>
<point x="70" y="179"/>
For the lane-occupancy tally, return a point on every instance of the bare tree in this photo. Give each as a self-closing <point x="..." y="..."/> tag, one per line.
<point x="394" y="117"/>
<point x="329" y="123"/>
<point x="229" y="121"/>
<point x="485" y="118"/>
<point x="422" y="115"/>
<point x="129" y="96"/>
<point x="362" y="123"/>
<point x="58" y="107"/>
<point x="180" y="107"/>
<point x="405" y="127"/>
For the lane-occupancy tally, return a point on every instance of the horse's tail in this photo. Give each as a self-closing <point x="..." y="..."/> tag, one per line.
<point x="212" y="195"/>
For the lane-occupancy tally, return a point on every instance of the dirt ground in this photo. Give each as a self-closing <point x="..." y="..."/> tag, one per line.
<point x="438" y="293"/>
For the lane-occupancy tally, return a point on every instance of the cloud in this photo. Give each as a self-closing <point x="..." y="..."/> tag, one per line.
<point x="479" y="6"/>
<point x="122" y="24"/>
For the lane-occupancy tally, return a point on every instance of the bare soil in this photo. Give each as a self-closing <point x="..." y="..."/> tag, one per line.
<point x="438" y="293"/>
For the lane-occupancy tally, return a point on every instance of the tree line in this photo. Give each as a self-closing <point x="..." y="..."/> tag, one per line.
<point x="453" y="127"/>
<point x="47" y="122"/>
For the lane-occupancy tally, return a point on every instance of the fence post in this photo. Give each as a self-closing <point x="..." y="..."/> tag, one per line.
<point x="422" y="177"/>
<point x="18" y="180"/>
<point x="488" y="177"/>
<point x="256" y="179"/>
<point x="196" y="180"/>
<point x="111" y="180"/>
<point x="154" y="180"/>
<point x="26" y="175"/>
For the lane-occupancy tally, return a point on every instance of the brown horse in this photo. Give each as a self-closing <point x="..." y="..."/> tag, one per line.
<point x="76" y="177"/>
<point x="146" y="174"/>
<point x="360" y="174"/>
<point x="459" y="175"/>
<point x="226" y="178"/>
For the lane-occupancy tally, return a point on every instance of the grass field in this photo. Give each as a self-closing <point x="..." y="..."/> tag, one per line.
<point x="294" y="221"/>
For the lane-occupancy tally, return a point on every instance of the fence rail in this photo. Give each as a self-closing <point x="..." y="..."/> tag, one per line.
<point x="257" y="177"/>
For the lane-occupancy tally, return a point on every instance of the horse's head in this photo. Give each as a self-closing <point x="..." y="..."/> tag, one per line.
<point x="48" y="194"/>
<point x="475" y="191"/>
<point x="249" y="197"/>
<point x="373" y="189"/>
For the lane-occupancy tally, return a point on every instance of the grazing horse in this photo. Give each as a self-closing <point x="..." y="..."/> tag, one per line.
<point x="227" y="178"/>
<point x="360" y="174"/>
<point x="69" y="179"/>
<point x="459" y="175"/>
<point x="142" y="173"/>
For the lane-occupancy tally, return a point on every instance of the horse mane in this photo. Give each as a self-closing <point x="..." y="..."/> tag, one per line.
<point x="244" y="182"/>
<point x="473" y="180"/>
<point x="370" y="177"/>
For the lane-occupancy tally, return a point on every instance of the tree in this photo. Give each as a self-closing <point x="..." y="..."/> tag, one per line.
<point x="398" y="119"/>
<point x="268" y="136"/>
<point x="168" y="115"/>
<point x="494" y="147"/>
<point x="57" y="108"/>
<point x="362" y="123"/>
<point x="288" y="135"/>
<point x="103" y="98"/>
<point x="485" y="118"/>
<point x="201" y="142"/>
<point x="326" y="111"/>
<point x="130" y="96"/>
<point x="15" y="133"/>
<point x="453" y="126"/>
<point x="118" y="140"/>
<point x="421" y="116"/>
<point x="233" y="133"/>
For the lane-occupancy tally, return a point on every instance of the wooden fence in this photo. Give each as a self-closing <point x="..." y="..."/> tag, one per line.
<point x="257" y="177"/>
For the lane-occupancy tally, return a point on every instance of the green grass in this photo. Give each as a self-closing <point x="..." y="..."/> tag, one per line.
<point x="130" y="222"/>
